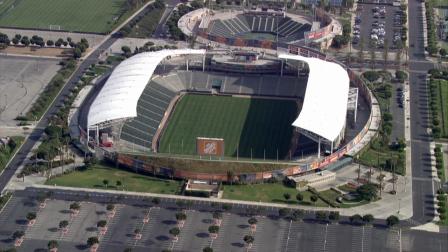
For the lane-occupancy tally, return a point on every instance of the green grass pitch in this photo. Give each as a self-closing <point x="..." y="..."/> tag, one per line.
<point x="263" y="125"/>
<point x="72" y="15"/>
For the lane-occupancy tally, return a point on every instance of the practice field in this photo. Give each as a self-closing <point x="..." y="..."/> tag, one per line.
<point x="71" y="15"/>
<point x="247" y="125"/>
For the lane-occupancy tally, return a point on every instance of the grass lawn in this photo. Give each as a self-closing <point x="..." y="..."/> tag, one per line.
<point x="93" y="178"/>
<point x="99" y="16"/>
<point x="246" y="125"/>
<point x="147" y="25"/>
<point x="443" y="106"/>
<point x="6" y="153"/>
<point x="267" y="193"/>
<point x="370" y="157"/>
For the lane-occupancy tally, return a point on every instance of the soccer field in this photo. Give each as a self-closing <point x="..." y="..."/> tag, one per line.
<point x="99" y="16"/>
<point x="260" y="125"/>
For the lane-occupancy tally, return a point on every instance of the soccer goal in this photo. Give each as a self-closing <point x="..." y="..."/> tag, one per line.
<point x="55" y="27"/>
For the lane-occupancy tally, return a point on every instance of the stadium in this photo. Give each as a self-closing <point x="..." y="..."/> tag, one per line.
<point x="261" y="27"/>
<point x="252" y="105"/>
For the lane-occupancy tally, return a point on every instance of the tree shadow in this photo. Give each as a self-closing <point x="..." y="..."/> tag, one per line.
<point x="53" y="229"/>
<point x="202" y="235"/>
<point x="162" y="238"/>
<point x="243" y="226"/>
<point x="237" y="244"/>
<point x="65" y="211"/>
<point x="207" y="221"/>
<point x="169" y="222"/>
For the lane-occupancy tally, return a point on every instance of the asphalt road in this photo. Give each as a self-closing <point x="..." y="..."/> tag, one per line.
<point x="423" y="189"/>
<point x="9" y="171"/>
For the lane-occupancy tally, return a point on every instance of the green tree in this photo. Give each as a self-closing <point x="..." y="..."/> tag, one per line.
<point x="207" y="249"/>
<point x="368" y="191"/>
<point x="77" y="53"/>
<point x="252" y="221"/>
<point x="283" y="212"/>
<point x="249" y="239"/>
<point x="63" y="224"/>
<point x="368" y="218"/>
<point x="321" y="216"/>
<point x="75" y="206"/>
<point x="333" y="216"/>
<point x="31" y="216"/>
<point x="314" y="198"/>
<point x="213" y="229"/>
<point x="297" y="215"/>
<point x="287" y="196"/>
<point x="156" y="201"/>
<point x="299" y="197"/>
<point x="92" y="241"/>
<point x="110" y="207"/>
<point x="118" y="183"/>
<point x="105" y="182"/>
<point x="217" y="215"/>
<point x="392" y="221"/>
<point x="52" y="244"/>
<point x="181" y="216"/>
<point x="18" y="234"/>
<point x="355" y="219"/>
<point x="101" y="223"/>
<point x="174" y="231"/>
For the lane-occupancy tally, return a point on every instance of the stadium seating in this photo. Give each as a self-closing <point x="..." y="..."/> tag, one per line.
<point x="288" y="29"/>
<point x="158" y="94"/>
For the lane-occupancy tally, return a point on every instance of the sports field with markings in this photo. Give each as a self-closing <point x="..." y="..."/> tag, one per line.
<point x="99" y="16"/>
<point x="260" y="126"/>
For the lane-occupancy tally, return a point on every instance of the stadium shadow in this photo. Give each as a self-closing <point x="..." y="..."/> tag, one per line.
<point x="267" y="131"/>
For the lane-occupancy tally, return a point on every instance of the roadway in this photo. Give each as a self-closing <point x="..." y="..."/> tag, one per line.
<point x="423" y="186"/>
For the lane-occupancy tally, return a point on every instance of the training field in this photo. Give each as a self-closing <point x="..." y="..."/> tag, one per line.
<point x="243" y="123"/>
<point x="71" y="15"/>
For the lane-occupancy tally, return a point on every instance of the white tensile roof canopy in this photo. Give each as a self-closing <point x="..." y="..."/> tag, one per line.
<point x="121" y="92"/>
<point x="324" y="107"/>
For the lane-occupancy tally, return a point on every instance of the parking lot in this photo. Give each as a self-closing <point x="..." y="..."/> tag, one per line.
<point x="377" y="25"/>
<point x="272" y="233"/>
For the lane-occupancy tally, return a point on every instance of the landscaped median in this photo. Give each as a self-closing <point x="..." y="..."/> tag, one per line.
<point x="438" y="87"/>
<point x="8" y="151"/>
<point x="440" y="164"/>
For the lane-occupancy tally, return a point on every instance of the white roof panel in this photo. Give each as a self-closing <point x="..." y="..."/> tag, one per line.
<point x="121" y="92"/>
<point x="324" y="107"/>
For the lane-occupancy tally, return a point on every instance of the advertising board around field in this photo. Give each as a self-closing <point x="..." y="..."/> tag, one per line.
<point x="210" y="146"/>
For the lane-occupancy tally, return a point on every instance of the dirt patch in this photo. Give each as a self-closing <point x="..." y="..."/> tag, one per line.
<point x="36" y="51"/>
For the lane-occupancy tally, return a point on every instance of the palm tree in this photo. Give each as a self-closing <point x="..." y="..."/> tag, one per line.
<point x="137" y="231"/>
<point x="91" y="241"/>
<point x="248" y="239"/>
<point x="380" y="179"/>
<point x="118" y="183"/>
<point x="217" y="215"/>
<point x="53" y="245"/>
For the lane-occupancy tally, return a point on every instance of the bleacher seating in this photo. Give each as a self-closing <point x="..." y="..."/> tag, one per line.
<point x="288" y="29"/>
